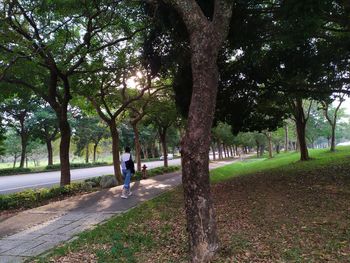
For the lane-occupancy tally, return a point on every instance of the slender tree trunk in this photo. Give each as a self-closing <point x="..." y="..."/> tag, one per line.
<point x="214" y="155"/>
<point x="137" y="146"/>
<point x="115" y="151"/>
<point x="224" y="148"/>
<point x="220" y="150"/>
<point x="257" y="149"/>
<point x="23" y="151"/>
<point x="87" y="154"/>
<point x="14" y="161"/>
<point x="304" y="154"/>
<point x="49" y="152"/>
<point x="262" y="149"/>
<point x="95" y="151"/>
<point x="333" y="138"/>
<point x="145" y="152"/>
<point x="162" y="137"/>
<point x="300" y="122"/>
<point x="286" y="142"/>
<point x="268" y="135"/>
<point x="153" y="151"/>
<point x="297" y="145"/>
<point x="64" y="149"/>
<point x="231" y="150"/>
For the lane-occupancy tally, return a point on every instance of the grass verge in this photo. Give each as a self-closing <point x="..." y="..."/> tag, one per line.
<point x="282" y="210"/>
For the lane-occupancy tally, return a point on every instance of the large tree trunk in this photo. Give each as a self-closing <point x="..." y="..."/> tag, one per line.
<point x="64" y="148"/>
<point x="137" y="147"/>
<point x="300" y="122"/>
<point x="162" y="137"/>
<point x="49" y="152"/>
<point x="115" y="151"/>
<point x="206" y="38"/>
<point x="201" y="225"/>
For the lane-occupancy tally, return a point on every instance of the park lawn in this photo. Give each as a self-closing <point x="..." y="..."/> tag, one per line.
<point x="281" y="210"/>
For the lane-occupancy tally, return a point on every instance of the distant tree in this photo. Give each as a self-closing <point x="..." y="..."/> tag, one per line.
<point x="163" y="115"/>
<point x="260" y="140"/>
<point x="88" y="130"/>
<point x="148" y="138"/>
<point x="12" y="145"/>
<point x="222" y="134"/>
<point x="332" y="114"/>
<point x="45" y="128"/>
<point x="35" y="150"/>
<point x="17" y="112"/>
<point x="278" y="138"/>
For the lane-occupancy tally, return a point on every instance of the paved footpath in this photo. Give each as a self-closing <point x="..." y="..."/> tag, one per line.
<point x="34" y="231"/>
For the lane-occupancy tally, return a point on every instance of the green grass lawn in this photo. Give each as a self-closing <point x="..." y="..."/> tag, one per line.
<point x="277" y="210"/>
<point x="283" y="162"/>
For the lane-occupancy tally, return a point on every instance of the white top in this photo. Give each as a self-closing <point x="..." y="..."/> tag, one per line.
<point x="125" y="157"/>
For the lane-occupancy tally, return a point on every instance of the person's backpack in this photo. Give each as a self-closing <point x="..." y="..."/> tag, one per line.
<point x="129" y="164"/>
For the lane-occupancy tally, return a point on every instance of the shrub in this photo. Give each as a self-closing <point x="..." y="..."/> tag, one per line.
<point x="11" y="171"/>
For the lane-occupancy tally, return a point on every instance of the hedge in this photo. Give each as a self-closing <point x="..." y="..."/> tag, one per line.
<point x="75" y="165"/>
<point x="12" y="171"/>
<point x="54" y="167"/>
<point x="33" y="198"/>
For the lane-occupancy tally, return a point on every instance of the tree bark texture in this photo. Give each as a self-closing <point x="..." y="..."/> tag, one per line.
<point x="64" y="149"/>
<point x="206" y="38"/>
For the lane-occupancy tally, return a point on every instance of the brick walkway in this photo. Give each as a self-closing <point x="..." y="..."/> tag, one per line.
<point x="32" y="232"/>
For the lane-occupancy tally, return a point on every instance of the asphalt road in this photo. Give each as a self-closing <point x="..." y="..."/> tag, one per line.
<point x="16" y="183"/>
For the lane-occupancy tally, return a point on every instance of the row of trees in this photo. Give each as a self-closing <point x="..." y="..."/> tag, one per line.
<point x="30" y="125"/>
<point x="275" y="59"/>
